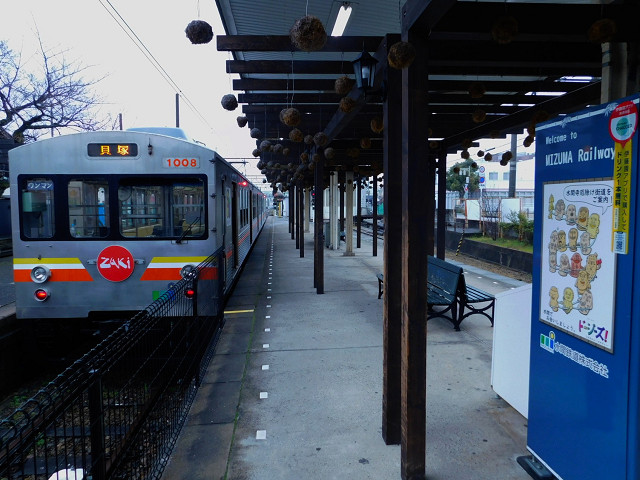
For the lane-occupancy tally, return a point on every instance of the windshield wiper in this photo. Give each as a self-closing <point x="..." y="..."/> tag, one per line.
<point x="187" y="230"/>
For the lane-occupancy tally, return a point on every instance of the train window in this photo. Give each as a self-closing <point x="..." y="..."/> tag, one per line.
<point x="37" y="217"/>
<point x="168" y="210"/>
<point x="88" y="208"/>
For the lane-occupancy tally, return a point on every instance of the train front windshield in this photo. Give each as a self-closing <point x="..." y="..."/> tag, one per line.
<point x="101" y="207"/>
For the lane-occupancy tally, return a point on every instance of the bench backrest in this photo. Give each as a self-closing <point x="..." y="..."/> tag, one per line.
<point x="444" y="275"/>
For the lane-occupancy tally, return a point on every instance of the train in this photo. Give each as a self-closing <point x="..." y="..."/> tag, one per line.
<point x="104" y="222"/>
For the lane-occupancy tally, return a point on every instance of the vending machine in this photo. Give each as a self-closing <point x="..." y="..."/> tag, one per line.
<point x="584" y="396"/>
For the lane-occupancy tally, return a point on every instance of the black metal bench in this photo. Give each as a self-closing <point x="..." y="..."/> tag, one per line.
<point x="446" y="287"/>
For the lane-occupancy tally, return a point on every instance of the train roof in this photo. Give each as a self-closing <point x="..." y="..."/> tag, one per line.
<point x="174" y="132"/>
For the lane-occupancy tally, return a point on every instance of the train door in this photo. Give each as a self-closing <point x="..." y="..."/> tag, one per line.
<point x="234" y="224"/>
<point x="252" y="214"/>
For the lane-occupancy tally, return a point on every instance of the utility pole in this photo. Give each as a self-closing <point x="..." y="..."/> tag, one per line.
<point x="177" y="110"/>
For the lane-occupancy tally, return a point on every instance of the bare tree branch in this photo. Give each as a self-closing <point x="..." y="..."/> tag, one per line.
<point x="54" y="97"/>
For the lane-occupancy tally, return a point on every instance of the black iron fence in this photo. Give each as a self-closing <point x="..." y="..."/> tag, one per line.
<point x="117" y="411"/>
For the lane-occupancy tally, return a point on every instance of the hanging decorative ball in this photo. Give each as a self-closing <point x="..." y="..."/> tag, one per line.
<point x="528" y="140"/>
<point x="401" y="55"/>
<point x="477" y="90"/>
<point x="255" y="133"/>
<point x="199" y="32"/>
<point x="465" y="154"/>
<point x="474" y="165"/>
<point x="488" y="157"/>
<point x="344" y="85"/>
<point x="296" y="135"/>
<point x="315" y="158"/>
<point x="256" y="152"/>
<point x="291" y="117"/>
<point x="494" y="134"/>
<point x="506" y="156"/>
<point x="242" y="121"/>
<point x="329" y="153"/>
<point x="603" y="30"/>
<point x="265" y="146"/>
<point x="456" y="170"/>
<point x="277" y="148"/>
<point x="433" y="145"/>
<point x="466" y="143"/>
<point x="320" y="139"/>
<point x="308" y="34"/>
<point x="229" y="102"/>
<point x="304" y="156"/>
<point x="479" y="115"/>
<point x="377" y="125"/>
<point x="286" y="151"/>
<point x="365" y="143"/>
<point x="504" y="29"/>
<point x="308" y="139"/>
<point x="347" y="104"/>
<point x="480" y="154"/>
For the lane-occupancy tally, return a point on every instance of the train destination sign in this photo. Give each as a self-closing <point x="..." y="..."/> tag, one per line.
<point x="112" y="149"/>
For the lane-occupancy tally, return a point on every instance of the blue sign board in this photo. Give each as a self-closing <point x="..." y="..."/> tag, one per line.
<point x="585" y="350"/>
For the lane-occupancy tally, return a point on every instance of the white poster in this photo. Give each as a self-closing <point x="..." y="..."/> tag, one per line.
<point x="577" y="292"/>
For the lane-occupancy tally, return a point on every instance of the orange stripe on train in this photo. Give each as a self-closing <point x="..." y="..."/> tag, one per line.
<point x="57" y="275"/>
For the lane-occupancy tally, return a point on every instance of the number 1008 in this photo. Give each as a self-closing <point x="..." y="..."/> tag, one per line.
<point x="182" y="163"/>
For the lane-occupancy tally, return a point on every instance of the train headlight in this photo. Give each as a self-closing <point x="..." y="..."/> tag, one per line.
<point x="40" y="274"/>
<point x="187" y="271"/>
<point x="41" y="294"/>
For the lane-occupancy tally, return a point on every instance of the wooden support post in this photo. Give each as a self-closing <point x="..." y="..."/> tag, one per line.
<point x="417" y="229"/>
<point x="442" y="204"/>
<point x="392" y="254"/>
<point x="374" y="220"/>
<point x="318" y="227"/>
<point x="300" y="191"/>
<point x="359" y="214"/>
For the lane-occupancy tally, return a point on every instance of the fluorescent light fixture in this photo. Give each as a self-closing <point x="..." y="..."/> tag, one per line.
<point x="341" y="20"/>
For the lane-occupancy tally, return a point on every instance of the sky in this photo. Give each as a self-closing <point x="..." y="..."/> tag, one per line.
<point x="88" y="35"/>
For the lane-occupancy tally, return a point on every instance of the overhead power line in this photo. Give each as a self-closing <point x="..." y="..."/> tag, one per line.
<point x="122" y="23"/>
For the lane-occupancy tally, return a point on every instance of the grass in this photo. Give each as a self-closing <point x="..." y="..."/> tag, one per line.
<point x="512" y="243"/>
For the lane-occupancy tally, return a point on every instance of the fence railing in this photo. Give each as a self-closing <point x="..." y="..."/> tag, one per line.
<point x="117" y="411"/>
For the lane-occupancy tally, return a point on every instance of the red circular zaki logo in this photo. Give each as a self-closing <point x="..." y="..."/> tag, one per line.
<point x="115" y="263"/>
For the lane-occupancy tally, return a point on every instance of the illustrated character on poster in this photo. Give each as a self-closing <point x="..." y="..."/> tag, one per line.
<point x="593" y="227"/>
<point x="560" y="209"/>
<point x="583" y="218"/>
<point x="565" y="265"/>
<point x="567" y="300"/>
<point x="562" y="241"/>
<point x="576" y="265"/>
<point x="551" y="206"/>
<point x="553" y="296"/>
<point x="553" y="242"/>
<point x="583" y="282"/>
<point x="586" y="302"/>
<point x="572" y="215"/>
<point x="553" y="262"/>
<point x="585" y="243"/>
<point x="573" y="239"/>
<point x="593" y="265"/>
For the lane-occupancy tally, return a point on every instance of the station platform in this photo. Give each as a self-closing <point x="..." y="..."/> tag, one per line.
<point x="294" y="389"/>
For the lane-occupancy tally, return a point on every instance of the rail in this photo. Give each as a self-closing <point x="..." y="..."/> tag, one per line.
<point x="117" y="411"/>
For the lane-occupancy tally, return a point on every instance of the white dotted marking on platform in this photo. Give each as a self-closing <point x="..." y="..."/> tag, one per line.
<point x="265" y="345"/>
<point x="269" y="283"/>
<point x="268" y="297"/>
<point x="267" y="316"/>
<point x="261" y="435"/>
<point x="479" y="277"/>
<point x="268" y="289"/>
<point x="495" y="283"/>
<point x="268" y="306"/>
<point x="265" y="367"/>
<point x="267" y="329"/>
<point x="264" y="395"/>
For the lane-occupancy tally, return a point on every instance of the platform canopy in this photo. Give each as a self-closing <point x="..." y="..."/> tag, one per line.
<point x="494" y="67"/>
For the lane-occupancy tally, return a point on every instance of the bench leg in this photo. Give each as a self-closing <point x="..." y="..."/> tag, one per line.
<point x="379" y="289"/>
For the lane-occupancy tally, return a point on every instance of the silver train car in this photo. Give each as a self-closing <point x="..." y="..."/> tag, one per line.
<point x="108" y="221"/>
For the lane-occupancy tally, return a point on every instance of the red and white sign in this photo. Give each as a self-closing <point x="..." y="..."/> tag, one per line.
<point x="115" y="263"/>
<point x="623" y="122"/>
